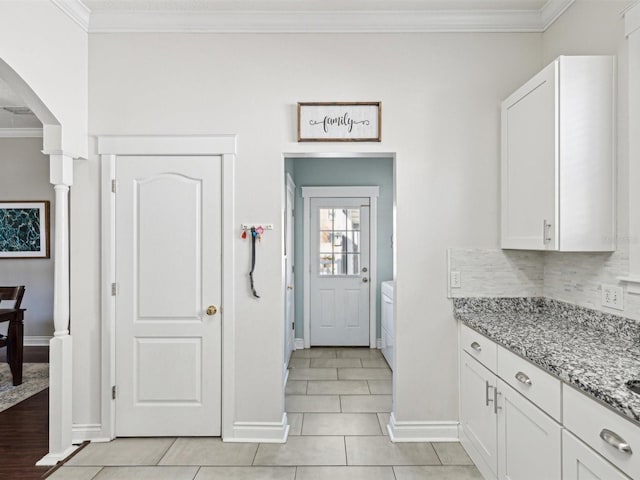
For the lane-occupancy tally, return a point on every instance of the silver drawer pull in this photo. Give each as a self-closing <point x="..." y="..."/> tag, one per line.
<point x="486" y="393"/>
<point x="476" y="346"/>
<point x="523" y="378"/>
<point x="616" y="441"/>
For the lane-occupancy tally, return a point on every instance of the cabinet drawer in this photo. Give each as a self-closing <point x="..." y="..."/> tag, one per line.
<point x="579" y="462"/>
<point x="479" y="347"/>
<point x="588" y="420"/>
<point x="534" y="383"/>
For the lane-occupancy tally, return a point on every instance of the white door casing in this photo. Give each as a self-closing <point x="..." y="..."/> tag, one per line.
<point x="339" y="246"/>
<point x="289" y="293"/>
<point x="370" y="192"/>
<point x="168" y="264"/>
<point x="109" y="149"/>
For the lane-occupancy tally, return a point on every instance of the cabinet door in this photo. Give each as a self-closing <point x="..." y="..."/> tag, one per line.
<point x="529" y="164"/>
<point x="529" y="441"/>
<point x="579" y="462"/>
<point x="477" y="417"/>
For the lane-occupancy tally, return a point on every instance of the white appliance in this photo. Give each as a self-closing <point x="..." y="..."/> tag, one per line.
<point x="386" y="303"/>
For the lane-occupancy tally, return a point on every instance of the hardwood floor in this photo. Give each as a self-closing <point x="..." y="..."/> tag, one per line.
<point x="24" y="438"/>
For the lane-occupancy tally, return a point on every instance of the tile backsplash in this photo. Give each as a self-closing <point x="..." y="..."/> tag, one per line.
<point x="497" y="273"/>
<point x="569" y="277"/>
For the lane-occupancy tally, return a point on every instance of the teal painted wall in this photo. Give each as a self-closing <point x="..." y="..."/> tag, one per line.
<point x="337" y="172"/>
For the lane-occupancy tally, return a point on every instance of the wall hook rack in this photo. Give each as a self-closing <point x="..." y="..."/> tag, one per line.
<point x="249" y="226"/>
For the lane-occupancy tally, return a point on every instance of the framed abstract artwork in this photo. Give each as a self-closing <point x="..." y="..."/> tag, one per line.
<point x="24" y="229"/>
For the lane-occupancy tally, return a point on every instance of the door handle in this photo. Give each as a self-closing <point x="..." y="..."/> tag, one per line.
<point x="365" y="279"/>
<point x="546" y="232"/>
<point x="476" y="346"/>
<point x="289" y="287"/>
<point x="487" y="387"/>
<point x="212" y="310"/>
<point x="495" y="400"/>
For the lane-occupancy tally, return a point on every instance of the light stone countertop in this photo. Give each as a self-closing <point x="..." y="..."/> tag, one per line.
<point x="590" y="350"/>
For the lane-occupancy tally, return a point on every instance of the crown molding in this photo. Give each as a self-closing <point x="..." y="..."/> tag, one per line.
<point x="382" y="21"/>
<point x="20" y="132"/>
<point x="552" y="10"/>
<point x="76" y="11"/>
<point x="632" y="18"/>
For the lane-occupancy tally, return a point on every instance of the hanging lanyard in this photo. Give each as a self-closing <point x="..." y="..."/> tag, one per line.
<point x="254" y="234"/>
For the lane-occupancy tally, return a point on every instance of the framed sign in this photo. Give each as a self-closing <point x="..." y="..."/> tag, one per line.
<point x="339" y="122"/>
<point x="24" y="229"/>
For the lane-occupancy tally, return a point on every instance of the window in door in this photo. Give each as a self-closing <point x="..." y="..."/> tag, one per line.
<point x="339" y="244"/>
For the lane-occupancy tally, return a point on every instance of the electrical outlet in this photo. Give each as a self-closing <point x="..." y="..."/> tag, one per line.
<point x="612" y="297"/>
<point x="454" y="279"/>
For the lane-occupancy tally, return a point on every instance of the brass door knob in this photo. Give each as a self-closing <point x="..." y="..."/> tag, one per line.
<point x="212" y="310"/>
<point x="290" y="287"/>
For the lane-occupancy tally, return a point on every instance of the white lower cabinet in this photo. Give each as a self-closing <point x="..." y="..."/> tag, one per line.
<point x="579" y="462"/>
<point x="506" y="435"/>
<point x="529" y="441"/>
<point x="515" y="433"/>
<point x="477" y="416"/>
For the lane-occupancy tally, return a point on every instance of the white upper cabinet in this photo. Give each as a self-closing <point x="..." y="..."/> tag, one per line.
<point x="558" y="158"/>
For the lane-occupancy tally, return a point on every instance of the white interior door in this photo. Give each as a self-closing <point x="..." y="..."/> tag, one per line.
<point x="168" y="249"/>
<point x="289" y="325"/>
<point x="339" y="277"/>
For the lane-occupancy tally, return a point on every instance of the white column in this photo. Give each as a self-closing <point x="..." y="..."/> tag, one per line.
<point x="60" y="347"/>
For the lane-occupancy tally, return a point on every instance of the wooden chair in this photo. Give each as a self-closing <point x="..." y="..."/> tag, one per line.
<point x="13" y="340"/>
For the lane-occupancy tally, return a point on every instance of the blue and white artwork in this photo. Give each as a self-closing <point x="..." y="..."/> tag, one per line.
<point x="24" y="231"/>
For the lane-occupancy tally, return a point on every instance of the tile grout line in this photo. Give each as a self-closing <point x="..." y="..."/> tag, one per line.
<point x="255" y="455"/>
<point x="167" y="451"/>
<point x="436" y="452"/>
<point x="197" y="472"/>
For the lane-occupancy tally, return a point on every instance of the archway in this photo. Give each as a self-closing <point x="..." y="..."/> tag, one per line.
<point x="60" y="347"/>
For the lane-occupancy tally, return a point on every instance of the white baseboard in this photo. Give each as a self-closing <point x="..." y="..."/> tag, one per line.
<point x="259" y="432"/>
<point x="299" y="344"/>
<point x="51" y="459"/>
<point x="36" y="341"/>
<point x="444" y="431"/>
<point x="81" y="432"/>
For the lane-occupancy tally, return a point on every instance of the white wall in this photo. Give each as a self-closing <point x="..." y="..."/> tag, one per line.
<point x="25" y="176"/>
<point x="595" y="27"/>
<point x="49" y="51"/>
<point x="440" y="95"/>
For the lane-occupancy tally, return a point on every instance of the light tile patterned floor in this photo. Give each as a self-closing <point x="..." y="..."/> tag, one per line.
<point x="338" y="402"/>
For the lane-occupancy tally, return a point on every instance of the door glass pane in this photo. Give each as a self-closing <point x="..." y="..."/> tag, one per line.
<point x="326" y="264"/>
<point x="339" y="241"/>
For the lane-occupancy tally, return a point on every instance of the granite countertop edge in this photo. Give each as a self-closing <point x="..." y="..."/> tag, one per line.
<point x="508" y="322"/>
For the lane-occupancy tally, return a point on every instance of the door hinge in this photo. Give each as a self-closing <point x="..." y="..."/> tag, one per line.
<point x="114" y="185"/>
<point x="293" y="325"/>
<point x="293" y="269"/>
<point x="114" y="289"/>
<point x="113" y="392"/>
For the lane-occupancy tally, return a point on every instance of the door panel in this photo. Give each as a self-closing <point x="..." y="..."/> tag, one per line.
<point x="168" y="248"/>
<point x="339" y="305"/>
<point x="476" y="409"/>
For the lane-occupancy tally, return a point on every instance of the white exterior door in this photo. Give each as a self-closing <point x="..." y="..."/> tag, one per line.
<point x="339" y="276"/>
<point x="289" y="326"/>
<point x="168" y="254"/>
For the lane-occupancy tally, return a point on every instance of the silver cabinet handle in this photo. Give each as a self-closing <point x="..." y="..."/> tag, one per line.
<point x="495" y="400"/>
<point x="616" y="441"/>
<point x="523" y="378"/>
<point x="546" y="232"/>
<point x="365" y="279"/>
<point x="486" y="393"/>
<point x="476" y="346"/>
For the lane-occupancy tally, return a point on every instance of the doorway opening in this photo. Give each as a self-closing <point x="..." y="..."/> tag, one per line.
<point x="339" y="248"/>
